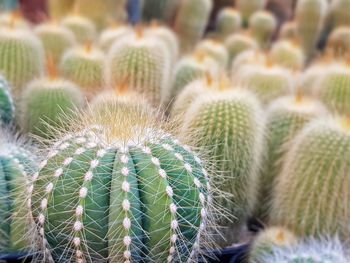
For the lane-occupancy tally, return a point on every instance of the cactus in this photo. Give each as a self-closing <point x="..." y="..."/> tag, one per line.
<point x="214" y="49"/>
<point x="249" y="57"/>
<point x="286" y="116"/>
<point x="288" y="54"/>
<point x="267" y="82"/>
<point x="7" y="108"/>
<point x="237" y="43"/>
<point x="247" y="8"/>
<point x="141" y="61"/>
<point x="263" y="25"/>
<point x="340" y="13"/>
<point x="228" y="21"/>
<point x="21" y="57"/>
<point x="113" y="34"/>
<point x="313" y="180"/>
<point x="83" y="28"/>
<point x="135" y="194"/>
<point x="13" y="19"/>
<point x="266" y="241"/>
<point x="333" y="89"/>
<point x="310" y="17"/>
<point x="85" y="67"/>
<point x="191" y="21"/>
<point x="55" y="38"/>
<point x="309" y="78"/>
<point x="16" y="226"/>
<point x="288" y="31"/>
<point x="339" y="41"/>
<point x="309" y="251"/>
<point x="229" y="126"/>
<point x="59" y="8"/>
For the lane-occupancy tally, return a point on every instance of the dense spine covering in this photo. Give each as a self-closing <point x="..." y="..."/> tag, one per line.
<point x="21" y="57"/>
<point x="248" y="57"/>
<point x="113" y="34"/>
<point x="340" y="13"/>
<point x="191" y="21"/>
<point x="247" y="8"/>
<point x="286" y="117"/>
<point x="214" y="49"/>
<point x="229" y="126"/>
<point x="311" y="196"/>
<point x="228" y="22"/>
<point x="7" y="107"/>
<point x="288" y="54"/>
<point x="237" y="43"/>
<point x="338" y="42"/>
<point x="83" y="28"/>
<point x="263" y="25"/>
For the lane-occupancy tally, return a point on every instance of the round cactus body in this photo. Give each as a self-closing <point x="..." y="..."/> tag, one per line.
<point x="310" y="16"/>
<point x="289" y="31"/>
<point x="339" y="41"/>
<point x="191" y="21"/>
<point x="287" y="54"/>
<point x="59" y="8"/>
<point x="286" y="116"/>
<point x="237" y="43"/>
<point x="214" y="49"/>
<point x="16" y="227"/>
<point x="248" y="57"/>
<point x="113" y="34"/>
<point x="47" y="104"/>
<point x="228" y="22"/>
<point x="85" y="67"/>
<point x="7" y="107"/>
<point x="83" y="28"/>
<point x="340" y="13"/>
<point x="55" y="38"/>
<point x="143" y="63"/>
<point x="229" y="126"/>
<point x="164" y="10"/>
<point x="21" y="57"/>
<point x="247" y="8"/>
<point x="309" y="78"/>
<point x="314" y="179"/>
<point x="13" y="19"/>
<point x="142" y="197"/>
<point x="263" y="25"/>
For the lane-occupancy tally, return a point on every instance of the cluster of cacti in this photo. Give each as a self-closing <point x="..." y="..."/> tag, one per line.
<point x="263" y="25"/>
<point x="7" y="107"/>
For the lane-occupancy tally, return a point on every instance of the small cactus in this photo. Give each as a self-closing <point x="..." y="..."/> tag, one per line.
<point x="228" y="21"/>
<point x="83" y="28"/>
<point x="339" y="41"/>
<point x="113" y="34"/>
<point x="59" y="8"/>
<point x="55" y="38"/>
<point x="85" y="67"/>
<point x="7" y="107"/>
<point x="191" y="21"/>
<point x="247" y="8"/>
<point x="13" y="19"/>
<point x="314" y="179"/>
<point x="214" y="49"/>
<point x="289" y="31"/>
<point x="237" y="43"/>
<point x="249" y="57"/>
<point x="263" y="25"/>
<point x="288" y="54"/>
<point x="340" y="13"/>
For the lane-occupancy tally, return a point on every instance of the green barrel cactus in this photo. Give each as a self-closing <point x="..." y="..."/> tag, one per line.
<point x="47" y="104"/>
<point x="310" y="17"/>
<point x="214" y="49"/>
<point x="288" y="31"/>
<point x="7" y="107"/>
<point x="237" y="43"/>
<point x="247" y="8"/>
<point x="21" y="57"/>
<point x="120" y="192"/>
<point x="313" y="181"/>
<point x="83" y="28"/>
<point x="85" y="67"/>
<point x="16" y="227"/>
<point x="268" y="240"/>
<point x="340" y="13"/>
<point x="113" y="34"/>
<point x="143" y="63"/>
<point x="191" y="21"/>
<point x="338" y="42"/>
<point x="287" y="54"/>
<point x="56" y="39"/>
<point x="286" y="117"/>
<point x="228" y="21"/>
<point x="228" y="125"/>
<point x="59" y="8"/>
<point x="263" y="25"/>
<point x="325" y="250"/>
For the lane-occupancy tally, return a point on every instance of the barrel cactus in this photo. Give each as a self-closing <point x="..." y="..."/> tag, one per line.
<point x="191" y="21"/>
<point x="237" y="43"/>
<point x="55" y="38"/>
<point x="263" y="25"/>
<point x="112" y="34"/>
<point x="228" y="125"/>
<point x="214" y="49"/>
<point x="288" y="54"/>
<point x="248" y="57"/>
<point x="228" y="22"/>
<point x="318" y="154"/>
<point x="85" y="67"/>
<point x="289" y="31"/>
<point x="7" y="108"/>
<point x="339" y="41"/>
<point x="83" y="28"/>
<point x="340" y="13"/>
<point x="247" y="8"/>
<point x="135" y="194"/>
<point x="286" y="116"/>
<point x="21" y="57"/>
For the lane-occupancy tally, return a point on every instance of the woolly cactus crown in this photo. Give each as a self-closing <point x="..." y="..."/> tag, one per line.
<point x="83" y="28"/>
<point x="113" y="34"/>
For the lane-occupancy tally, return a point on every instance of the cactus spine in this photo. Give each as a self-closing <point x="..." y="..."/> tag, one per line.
<point x="263" y="25"/>
<point x="7" y="108"/>
<point x="288" y="55"/>
<point x="228" y="21"/>
<point x="237" y="43"/>
<point x="247" y="8"/>
<point x="83" y="28"/>
<point x="191" y="21"/>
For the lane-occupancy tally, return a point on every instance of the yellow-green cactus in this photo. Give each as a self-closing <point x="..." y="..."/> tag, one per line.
<point x="228" y="21"/>
<point x="263" y="25"/>
<point x="82" y="27"/>
<point x="247" y="8"/>
<point x="288" y="54"/>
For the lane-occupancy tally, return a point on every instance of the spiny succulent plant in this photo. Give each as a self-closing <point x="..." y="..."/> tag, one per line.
<point x="340" y="13"/>
<point x="325" y="250"/>
<point x="310" y="196"/>
<point x="310" y="18"/>
<point x="287" y="54"/>
<point x="228" y="21"/>
<point x="82" y="27"/>
<point x="263" y="25"/>
<point x="229" y="126"/>
<point x="7" y="107"/>
<point x="191" y="21"/>
<point x="247" y="8"/>
<point x="339" y="41"/>
<point x="59" y="8"/>
<point x="17" y="166"/>
<point x="21" y="57"/>
<point x="85" y="67"/>
<point x="135" y="194"/>
<point x="55" y="38"/>
<point x="214" y="49"/>
<point x="13" y="19"/>
<point x="237" y="43"/>
<point x="112" y="34"/>
<point x="268" y="240"/>
<point x="288" y="31"/>
<point x="143" y="63"/>
<point x="248" y="57"/>
<point x="286" y="117"/>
